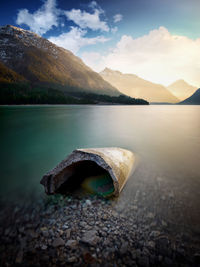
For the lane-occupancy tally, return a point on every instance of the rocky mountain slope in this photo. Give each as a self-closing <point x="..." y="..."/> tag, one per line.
<point x="181" y="89"/>
<point x="40" y="62"/>
<point x="8" y="75"/>
<point x="137" y="87"/>
<point x="193" y="99"/>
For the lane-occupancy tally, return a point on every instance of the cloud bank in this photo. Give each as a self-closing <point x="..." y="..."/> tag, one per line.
<point x="158" y="56"/>
<point x="87" y="20"/>
<point x="48" y="15"/>
<point x="75" y="39"/>
<point x="42" y="20"/>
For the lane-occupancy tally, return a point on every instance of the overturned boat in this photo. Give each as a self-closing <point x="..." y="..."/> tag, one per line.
<point x="102" y="171"/>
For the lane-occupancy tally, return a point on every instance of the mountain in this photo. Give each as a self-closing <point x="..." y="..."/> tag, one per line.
<point x="137" y="87"/>
<point x="193" y="99"/>
<point x="181" y="89"/>
<point x="9" y="76"/>
<point x="40" y="62"/>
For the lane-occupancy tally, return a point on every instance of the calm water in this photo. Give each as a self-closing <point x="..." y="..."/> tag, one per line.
<point x="166" y="140"/>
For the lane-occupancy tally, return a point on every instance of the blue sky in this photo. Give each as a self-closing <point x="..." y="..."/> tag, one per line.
<point x="114" y="33"/>
<point x="139" y="16"/>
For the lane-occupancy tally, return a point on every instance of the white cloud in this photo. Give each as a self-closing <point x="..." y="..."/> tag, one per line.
<point x="93" y="5"/>
<point x="117" y="18"/>
<point x="87" y="20"/>
<point x="42" y="20"/>
<point x="75" y="39"/>
<point x="91" y="58"/>
<point x="114" y="29"/>
<point x="158" y="56"/>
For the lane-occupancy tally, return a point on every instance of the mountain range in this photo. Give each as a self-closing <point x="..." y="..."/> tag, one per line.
<point x="193" y="99"/>
<point x="34" y="70"/>
<point x="181" y="89"/>
<point x="137" y="87"/>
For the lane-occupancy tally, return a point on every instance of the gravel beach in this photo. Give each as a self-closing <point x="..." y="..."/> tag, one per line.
<point x="90" y="231"/>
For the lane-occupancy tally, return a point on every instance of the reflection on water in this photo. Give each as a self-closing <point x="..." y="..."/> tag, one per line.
<point x="166" y="140"/>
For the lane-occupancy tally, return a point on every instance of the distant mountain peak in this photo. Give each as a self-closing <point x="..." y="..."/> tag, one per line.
<point x="134" y="86"/>
<point x="179" y="82"/>
<point x="181" y="89"/>
<point x="110" y="71"/>
<point x="193" y="99"/>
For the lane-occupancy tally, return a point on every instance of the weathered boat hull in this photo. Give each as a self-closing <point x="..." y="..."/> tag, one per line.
<point x="117" y="162"/>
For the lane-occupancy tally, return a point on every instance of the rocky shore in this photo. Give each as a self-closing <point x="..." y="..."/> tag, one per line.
<point x="89" y="231"/>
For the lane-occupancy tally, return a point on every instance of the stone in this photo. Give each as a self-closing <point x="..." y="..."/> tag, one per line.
<point x="88" y="202"/>
<point x="164" y="223"/>
<point x="71" y="259"/>
<point x="151" y="244"/>
<point x="143" y="261"/>
<point x="90" y="237"/>
<point x="105" y="217"/>
<point x="43" y="247"/>
<point x="88" y="258"/>
<point x="45" y="233"/>
<point x="58" y="242"/>
<point x="83" y="224"/>
<point x="124" y="248"/>
<point x="19" y="257"/>
<point x="43" y="229"/>
<point x="150" y="215"/>
<point x="68" y="233"/>
<point x="65" y="226"/>
<point x="32" y="234"/>
<point x="168" y="261"/>
<point x="154" y="233"/>
<point x="71" y="243"/>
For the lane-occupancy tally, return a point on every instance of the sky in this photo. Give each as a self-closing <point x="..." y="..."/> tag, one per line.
<point x="158" y="40"/>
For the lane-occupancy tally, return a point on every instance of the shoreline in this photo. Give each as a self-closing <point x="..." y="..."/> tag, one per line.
<point x="77" y="231"/>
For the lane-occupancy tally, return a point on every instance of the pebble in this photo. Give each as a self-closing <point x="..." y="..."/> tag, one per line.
<point x="151" y="244"/>
<point x="88" y="202"/>
<point x="72" y="244"/>
<point x="19" y="257"/>
<point x="45" y="233"/>
<point x="71" y="259"/>
<point x="124" y="248"/>
<point x="43" y="247"/>
<point x="68" y="232"/>
<point x="154" y="233"/>
<point x="164" y="223"/>
<point x="90" y="237"/>
<point x="92" y="232"/>
<point x="57" y="242"/>
<point x="150" y="215"/>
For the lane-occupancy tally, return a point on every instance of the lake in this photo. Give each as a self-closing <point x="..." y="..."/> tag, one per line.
<point x="165" y="139"/>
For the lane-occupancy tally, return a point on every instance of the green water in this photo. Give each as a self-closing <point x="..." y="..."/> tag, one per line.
<point x="166" y="140"/>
